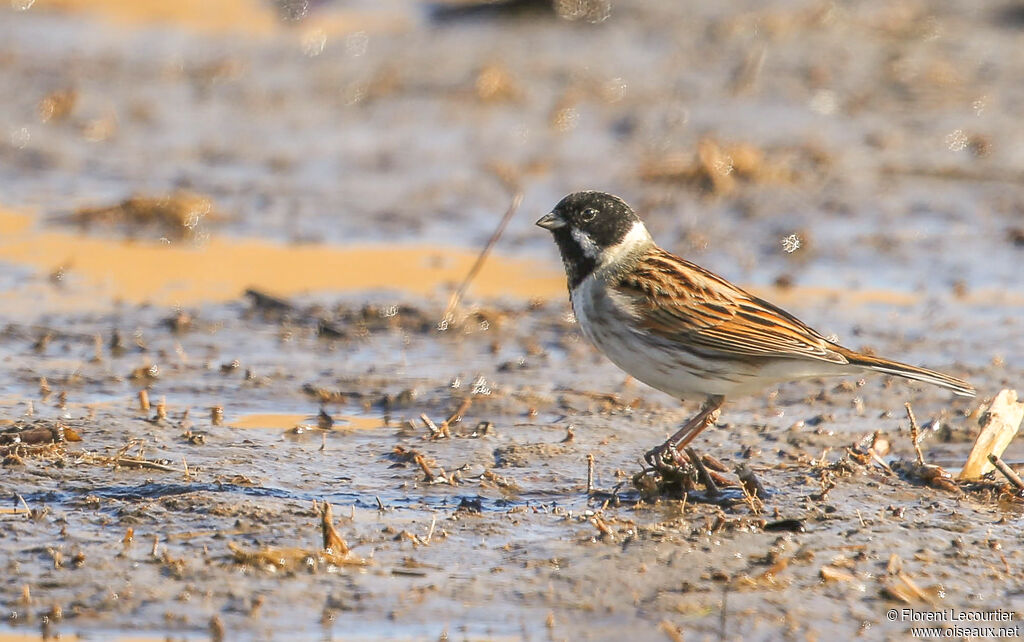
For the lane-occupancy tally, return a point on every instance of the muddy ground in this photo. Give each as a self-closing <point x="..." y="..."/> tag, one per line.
<point x="349" y="164"/>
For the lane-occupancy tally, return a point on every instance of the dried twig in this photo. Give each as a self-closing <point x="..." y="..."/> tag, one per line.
<point x="21" y="500"/>
<point x="144" y="463"/>
<point x="914" y="433"/>
<point x="430" y="533"/>
<point x="590" y="473"/>
<point x="456" y="416"/>
<point x="332" y="539"/>
<point x="428" y="474"/>
<point x="702" y="471"/>
<point x="1007" y="472"/>
<point x="751" y="484"/>
<point x="435" y="432"/>
<point x="456" y="297"/>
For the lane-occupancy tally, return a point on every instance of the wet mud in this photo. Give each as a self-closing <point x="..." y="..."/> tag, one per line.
<point x="233" y="405"/>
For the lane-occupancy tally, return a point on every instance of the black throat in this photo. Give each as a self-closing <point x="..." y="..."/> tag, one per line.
<point x="578" y="266"/>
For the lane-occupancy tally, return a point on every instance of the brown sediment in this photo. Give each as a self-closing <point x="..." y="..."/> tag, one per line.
<point x="72" y="637"/>
<point x="288" y="421"/>
<point x="13" y="222"/>
<point x="240" y="16"/>
<point x="223" y="269"/>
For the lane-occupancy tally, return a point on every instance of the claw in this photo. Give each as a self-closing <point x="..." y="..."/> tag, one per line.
<point x="707" y="416"/>
<point x="664" y="455"/>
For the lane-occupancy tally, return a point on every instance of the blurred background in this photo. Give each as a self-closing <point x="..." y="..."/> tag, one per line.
<point x="177" y="153"/>
<point x="859" y="163"/>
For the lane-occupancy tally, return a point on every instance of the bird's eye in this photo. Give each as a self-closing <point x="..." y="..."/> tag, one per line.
<point x="588" y="215"/>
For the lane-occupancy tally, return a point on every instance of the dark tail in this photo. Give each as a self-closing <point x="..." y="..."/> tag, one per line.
<point x="959" y="386"/>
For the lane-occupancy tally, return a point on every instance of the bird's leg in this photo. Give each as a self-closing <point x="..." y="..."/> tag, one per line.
<point x="682" y="438"/>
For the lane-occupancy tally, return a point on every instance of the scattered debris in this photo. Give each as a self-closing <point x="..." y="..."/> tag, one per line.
<point x="751" y="484"/>
<point x="495" y="84"/>
<point x="920" y="472"/>
<point x="37" y="433"/>
<point x="57" y="105"/>
<point x="335" y="551"/>
<point x="833" y="574"/>
<point x="1010" y="474"/>
<point x="999" y="423"/>
<point x="719" y="168"/>
<point x="904" y="589"/>
<point x="785" y="525"/>
<point x="176" y="217"/>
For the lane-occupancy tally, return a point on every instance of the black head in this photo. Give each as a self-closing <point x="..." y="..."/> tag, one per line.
<point x="585" y="225"/>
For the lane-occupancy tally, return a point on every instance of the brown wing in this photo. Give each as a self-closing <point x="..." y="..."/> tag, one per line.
<point x="682" y="302"/>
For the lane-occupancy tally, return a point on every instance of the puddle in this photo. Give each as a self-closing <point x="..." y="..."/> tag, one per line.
<point x="250" y="17"/>
<point x="96" y="271"/>
<point x="111" y="636"/>
<point x="287" y="422"/>
<point x="12" y="223"/>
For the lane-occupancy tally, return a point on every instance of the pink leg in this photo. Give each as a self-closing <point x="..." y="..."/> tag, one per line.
<point x="682" y="438"/>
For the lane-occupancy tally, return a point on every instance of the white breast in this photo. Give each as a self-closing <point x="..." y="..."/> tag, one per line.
<point x="610" y="324"/>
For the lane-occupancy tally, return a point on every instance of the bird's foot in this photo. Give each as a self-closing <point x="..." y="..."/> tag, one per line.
<point x="665" y="456"/>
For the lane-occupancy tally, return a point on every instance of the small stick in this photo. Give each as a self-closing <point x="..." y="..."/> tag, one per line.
<point x="125" y="448"/>
<point x="21" y="500"/>
<point x="435" y="432"/>
<point x="601" y="526"/>
<point x="143" y="463"/>
<point x="590" y="473"/>
<point x="713" y="464"/>
<point x="702" y="471"/>
<point x="144" y="400"/>
<point x="672" y="631"/>
<point x="428" y="475"/>
<point x="1001" y="466"/>
<point x="881" y="462"/>
<point x="332" y="539"/>
<point x="751" y="484"/>
<point x="913" y="433"/>
<point x="456" y="297"/>
<point x="380" y="504"/>
<point x="430" y="533"/>
<point x="184" y="465"/>
<point x="456" y="416"/>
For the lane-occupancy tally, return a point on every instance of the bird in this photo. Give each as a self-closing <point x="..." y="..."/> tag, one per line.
<point x="684" y="330"/>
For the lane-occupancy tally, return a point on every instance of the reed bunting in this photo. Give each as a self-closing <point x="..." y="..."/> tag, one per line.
<point x="682" y="329"/>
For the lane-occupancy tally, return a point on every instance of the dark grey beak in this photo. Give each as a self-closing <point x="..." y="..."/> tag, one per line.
<point x="551" y="222"/>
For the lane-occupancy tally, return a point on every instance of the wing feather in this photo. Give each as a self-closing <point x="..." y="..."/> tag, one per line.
<point x="684" y="303"/>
